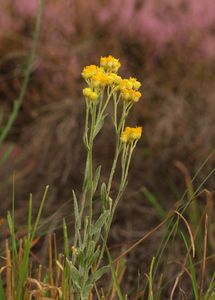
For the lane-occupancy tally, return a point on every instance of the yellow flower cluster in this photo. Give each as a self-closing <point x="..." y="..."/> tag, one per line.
<point x="130" y="134"/>
<point x="130" y="83"/>
<point x="90" y="94"/>
<point x="89" y="71"/>
<point x="129" y="89"/>
<point x="74" y="250"/>
<point x="110" y="64"/>
<point x="99" y="77"/>
<point x="130" y="95"/>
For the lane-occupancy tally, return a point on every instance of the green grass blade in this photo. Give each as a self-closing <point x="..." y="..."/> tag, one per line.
<point x="210" y="293"/>
<point x="39" y="213"/>
<point x="66" y="242"/>
<point x="114" y="276"/>
<point x="23" y="270"/>
<point x="154" y="202"/>
<point x="18" y="102"/>
<point x="6" y="154"/>
<point x="150" y="279"/>
<point x="13" y="237"/>
<point x="191" y="268"/>
<point x="30" y="216"/>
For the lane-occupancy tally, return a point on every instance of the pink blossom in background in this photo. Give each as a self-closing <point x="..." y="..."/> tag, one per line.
<point x="25" y="8"/>
<point x="162" y="23"/>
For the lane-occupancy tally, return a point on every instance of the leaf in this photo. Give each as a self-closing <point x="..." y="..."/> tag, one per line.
<point x="100" y="222"/>
<point x="75" y="276"/>
<point x="85" y="186"/>
<point x="99" y="125"/>
<point x="96" y="178"/>
<point x="90" y="250"/>
<point x="97" y="236"/>
<point x="77" y="217"/>
<point x="86" y="290"/>
<point x="99" y="273"/>
<point x="93" y="259"/>
<point x="80" y="258"/>
<point x="103" y="194"/>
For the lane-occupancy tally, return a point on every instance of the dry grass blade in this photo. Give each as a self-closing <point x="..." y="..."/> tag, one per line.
<point x="175" y="285"/>
<point x="37" y="289"/>
<point x="39" y="273"/>
<point x="183" y="269"/>
<point x="143" y="238"/>
<point x="51" y="280"/>
<point x="189" y="230"/>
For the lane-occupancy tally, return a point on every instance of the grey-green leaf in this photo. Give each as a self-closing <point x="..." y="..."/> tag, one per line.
<point x="77" y="217"/>
<point x="86" y="290"/>
<point x="104" y="194"/>
<point x="96" y="178"/>
<point x="99" y="126"/>
<point x="100" y="222"/>
<point x="74" y="273"/>
<point x="99" y="273"/>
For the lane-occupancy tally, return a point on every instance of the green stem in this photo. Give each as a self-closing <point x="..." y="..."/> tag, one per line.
<point x="90" y="164"/>
<point x="18" y="102"/>
<point x="127" y="154"/>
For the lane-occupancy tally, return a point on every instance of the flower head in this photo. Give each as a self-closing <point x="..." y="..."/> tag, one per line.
<point x="135" y="83"/>
<point x="125" y="84"/>
<point x="99" y="79"/>
<point x="114" y="79"/>
<point x="130" y="134"/>
<point x="110" y="63"/>
<point x="90" y="94"/>
<point x="89" y="71"/>
<point x="74" y="250"/>
<point x="131" y="83"/>
<point x="105" y="75"/>
<point x="130" y="95"/>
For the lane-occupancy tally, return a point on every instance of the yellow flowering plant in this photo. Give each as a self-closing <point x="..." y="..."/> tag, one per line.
<point x="104" y="87"/>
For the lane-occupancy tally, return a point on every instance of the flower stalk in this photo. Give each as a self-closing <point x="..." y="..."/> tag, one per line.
<point x="104" y="87"/>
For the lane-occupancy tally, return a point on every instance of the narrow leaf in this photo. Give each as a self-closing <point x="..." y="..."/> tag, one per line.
<point x="75" y="276"/>
<point x="96" y="178"/>
<point x="100" y="222"/>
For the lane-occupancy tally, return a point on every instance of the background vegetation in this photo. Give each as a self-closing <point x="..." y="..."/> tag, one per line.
<point x="169" y="47"/>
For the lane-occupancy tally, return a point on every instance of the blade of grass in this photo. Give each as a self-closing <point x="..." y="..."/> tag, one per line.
<point x="191" y="268"/>
<point x="8" y="272"/>
<point x="152" y="199"/>
<point x="203" y="268"/>
<point x="18" y="102"/>
<point x="150" y="280"/>
<point x="30" y="216"/>
<point x="114" y="276"/>
<point x="6" y="154"/>
<point x="210" y="293"/>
